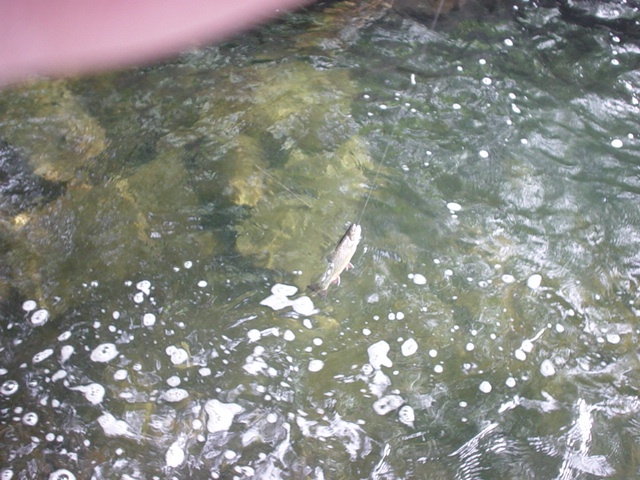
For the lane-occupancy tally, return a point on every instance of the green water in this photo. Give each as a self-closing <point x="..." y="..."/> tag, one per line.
<point x="498" y="162"/>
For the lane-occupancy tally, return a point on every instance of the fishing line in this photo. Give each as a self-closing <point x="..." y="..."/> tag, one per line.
<point x="384" y="156"/>
<point x="283" y="185"/>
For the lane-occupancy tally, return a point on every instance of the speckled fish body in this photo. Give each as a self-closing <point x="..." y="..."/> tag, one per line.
<point x="340" y="259"/>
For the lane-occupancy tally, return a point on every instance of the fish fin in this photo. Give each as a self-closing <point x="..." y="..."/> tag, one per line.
<point x="337" y="281"/>
<point x="350" y="265"/>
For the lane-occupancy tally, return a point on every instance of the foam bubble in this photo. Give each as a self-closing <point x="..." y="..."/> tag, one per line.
<point x="178" y="355"/>
<point x="104" y="353"/>
<point x="144" y="286"/>
<point x="65" y="353"/>
<point x="113" y="427"/>
<point x="6" y="474"/>
<point x="188" y="264"/>
<point x="175" y="395"/>
<point x="406" y="415"/>
<point x="387" y="404"/>
<point x="510" y="382"/>
<point x="378" y="355"/>
<point x="485" y="387"/>
<point x="202" y="283"/>
<point x="409" y="347"/>
<point x="613" y="338"/>
<point x="62" y="474"/>
<point x="121" y="374"/>
<point x="419" y="279"/>
<point x="616" y="143"/>
<point x="220" y="415"/>
<point x="454" y="207"/>
<point x="149" y="320"/>
<point x="289" y="335"/>
<point x="138" y="297"/>
<point x="39" y="317"/>
<point x="483" y="154"/>
<point x="29" y="305"/>
<point x="94" y="392"/>
<point x="175" y="455"/>
<point x="547" y="368"/>
<point x="284" y="290"/>
<point x="30" y="419"/>
<point x="315" y="365"/>
<point x="534" y="281"/>
<point x="9" y="388"/>
<point x="253" y="335"/>
<point x="506" y="278"/>
<point x="43" y="355"/>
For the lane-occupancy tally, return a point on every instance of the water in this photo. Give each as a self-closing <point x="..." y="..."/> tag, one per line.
<point x="488" y="329"/>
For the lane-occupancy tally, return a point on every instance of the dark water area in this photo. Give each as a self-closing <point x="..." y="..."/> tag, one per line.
<point x="159" y="227"/>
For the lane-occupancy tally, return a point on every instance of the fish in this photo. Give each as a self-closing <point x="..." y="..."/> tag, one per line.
<point x="339" y="260"/>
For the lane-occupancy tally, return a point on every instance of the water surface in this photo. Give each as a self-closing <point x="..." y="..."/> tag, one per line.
<point x="487" y="330"/>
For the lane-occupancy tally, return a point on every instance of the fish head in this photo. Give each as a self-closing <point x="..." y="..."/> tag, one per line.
<point x="354" y="233"/>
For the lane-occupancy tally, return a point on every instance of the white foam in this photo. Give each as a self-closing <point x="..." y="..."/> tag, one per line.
<point x="94" y="392"/>
<point x="138" y="297"/>
<point x="30" y="419"/>
<point x="454" y="207"/>
<point x="289" y="336"/>
<point x="220" y="415"/>
<point x="204" y="372"/>
<point x="534" y="281"/>
<point x="29" y="305"/>
<point x="174" y="395"/>
<point x="104" y="353"/>
<point x="175" y="456"/>
<point x="173" y="381"/>
<point x="485" y="387"/>
<point x="409" y="347"/>
<point x="419" y="279"/>
<point x="43" y="355"/>
<point x="303" y="306"/>
<point x="177" y="355"/>
<point x="62" y="474"/>
<point x="315" y="365"/>
<point x="407" y="416"/>
<point x="378" y="355"/>
<point x="9" y="388"/>
<point x="64" y="336"/>
<point x="120" y="375"/>
<point x="202" y="283"/>
<point x="506" y="278"/>
<point x="387" y="404"/>
<point x="40" y="317"/>
<point x="613" y="338"/>
<point x="113" y="427"/>
<point x="253" y="335"/>
<point x="149" y="320"/>
<point x="284" y="290"/>
<point x="547" y="369"/>
<point x="616" y="143"/>
<point x="510" y="382"/>
<point x="144" y="286"/>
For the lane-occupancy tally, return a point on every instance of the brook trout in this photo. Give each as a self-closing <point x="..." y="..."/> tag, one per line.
<point x="339" y="260"/>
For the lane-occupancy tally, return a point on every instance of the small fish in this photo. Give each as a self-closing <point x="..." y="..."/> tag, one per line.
<point x="339" y="260"/>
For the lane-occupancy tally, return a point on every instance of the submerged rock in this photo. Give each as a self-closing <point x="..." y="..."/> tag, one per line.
<point x="59" y="136"/>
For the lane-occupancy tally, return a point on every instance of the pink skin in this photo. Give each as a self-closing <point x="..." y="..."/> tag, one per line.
<point x="63" y="37"/>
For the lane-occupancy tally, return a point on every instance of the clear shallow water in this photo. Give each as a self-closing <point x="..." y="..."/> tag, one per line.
<point x="488" y="329"/>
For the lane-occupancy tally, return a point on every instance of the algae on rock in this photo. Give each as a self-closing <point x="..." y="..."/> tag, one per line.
<point x="50" y="128"/>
